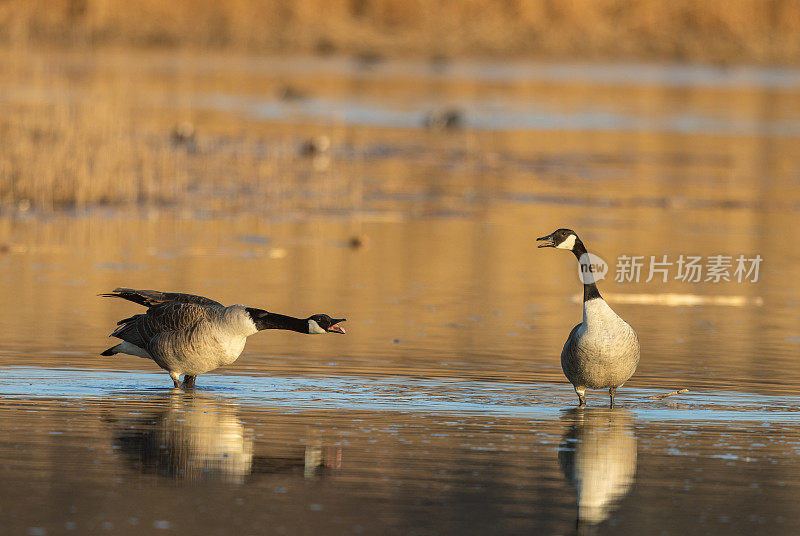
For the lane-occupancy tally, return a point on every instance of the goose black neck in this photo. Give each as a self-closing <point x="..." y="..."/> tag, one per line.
<point x="590" y="291"/>
<point x="578" y="248"/>
<point x="266" y="320"/>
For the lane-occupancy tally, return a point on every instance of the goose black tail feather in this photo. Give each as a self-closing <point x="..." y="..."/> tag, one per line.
<point x="110" y="351"/>
<point x="131" y="295"/>
<point x="126" y="320"/>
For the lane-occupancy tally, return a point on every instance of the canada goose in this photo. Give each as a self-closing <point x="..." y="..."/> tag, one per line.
<point x="189" y="335"/>
<point x="602" y="351"/>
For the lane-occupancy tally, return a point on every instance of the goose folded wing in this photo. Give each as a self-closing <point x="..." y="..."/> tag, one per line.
<point x="170" y="317"/>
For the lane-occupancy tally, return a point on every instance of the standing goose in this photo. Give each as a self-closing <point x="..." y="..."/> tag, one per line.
<point x="189" y="335"/>
<point x="602" y="351"/>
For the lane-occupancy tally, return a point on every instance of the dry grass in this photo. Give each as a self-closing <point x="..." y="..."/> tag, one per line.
<point x="95" y="148"/>
<point x="100" y="149"/>
<point x="760" y="31"/>
<point x="59" y="156"/>
<point x="79" y="140"/>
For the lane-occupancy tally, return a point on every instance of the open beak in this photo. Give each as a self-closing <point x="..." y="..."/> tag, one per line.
<point x="336" y="328"/>
<point x="547" y="241"/>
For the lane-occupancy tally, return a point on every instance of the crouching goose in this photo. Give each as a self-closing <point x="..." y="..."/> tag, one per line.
<point x="601" y="352"/>
<point x="189" y="335"/>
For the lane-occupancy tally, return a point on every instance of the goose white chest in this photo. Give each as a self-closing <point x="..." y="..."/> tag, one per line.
<point x="601" y="323"/>
<point x="602" y="351"/>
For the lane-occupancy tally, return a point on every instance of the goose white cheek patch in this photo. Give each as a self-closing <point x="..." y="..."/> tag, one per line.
<point x="314" y="329"/>
<point x="568" y="243"/>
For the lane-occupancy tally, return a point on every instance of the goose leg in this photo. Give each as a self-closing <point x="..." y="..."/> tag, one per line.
<point x="612" y="391"/>
<point x="581" y="396"/>
<point x="188" y="382"/>
<point x="176" y="379"/>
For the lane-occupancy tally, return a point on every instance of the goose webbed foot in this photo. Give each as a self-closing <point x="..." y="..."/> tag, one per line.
<point x="581" y="397"/>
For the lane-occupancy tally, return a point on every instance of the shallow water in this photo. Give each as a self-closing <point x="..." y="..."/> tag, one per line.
<point x="108" y="451"/>
<point x="444" y="409"/>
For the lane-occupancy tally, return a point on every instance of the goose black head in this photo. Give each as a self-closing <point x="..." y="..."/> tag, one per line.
<point x="561" y="239"/>
<point x="321" y="323"/>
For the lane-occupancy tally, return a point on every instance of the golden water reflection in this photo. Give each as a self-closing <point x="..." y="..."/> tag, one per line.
<point x="598" y="458"/>
<point x="447" y="286"/>
<point x="197" y="437"/>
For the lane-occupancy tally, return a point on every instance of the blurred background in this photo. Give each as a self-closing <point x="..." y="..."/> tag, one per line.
<point x="392" y="162"/>
<point x="339" y="104"/>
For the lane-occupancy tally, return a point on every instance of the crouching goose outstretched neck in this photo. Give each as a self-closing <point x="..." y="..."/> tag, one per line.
<point x="189" y="335"/>
<point x="601" y="352"/>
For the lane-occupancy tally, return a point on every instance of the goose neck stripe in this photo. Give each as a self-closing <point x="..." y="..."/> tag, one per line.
<point x="590" y="292"/>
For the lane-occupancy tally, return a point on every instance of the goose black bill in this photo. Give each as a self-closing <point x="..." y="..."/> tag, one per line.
<point x="547" y="241"/>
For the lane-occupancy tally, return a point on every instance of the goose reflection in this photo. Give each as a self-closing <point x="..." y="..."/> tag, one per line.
<point x="598" y="458"/>
<point x="198" y="437"/>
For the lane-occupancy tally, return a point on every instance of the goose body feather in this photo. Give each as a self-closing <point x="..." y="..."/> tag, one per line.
<point x="601" y="352"/>
<point x="187" y="338"/>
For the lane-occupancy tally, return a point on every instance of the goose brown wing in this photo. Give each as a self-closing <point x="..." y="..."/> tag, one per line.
<point x="153" y="298"/>
<point x="571" y="344"/>
<point x="169" y="317"/>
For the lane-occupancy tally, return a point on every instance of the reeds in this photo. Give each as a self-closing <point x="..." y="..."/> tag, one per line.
<point x="92" y="153"/>
<point x="714" y="30"/>
<point x="101" y="149"/>
<point x="61" y="155"/>
<point x="72" y="141"/>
